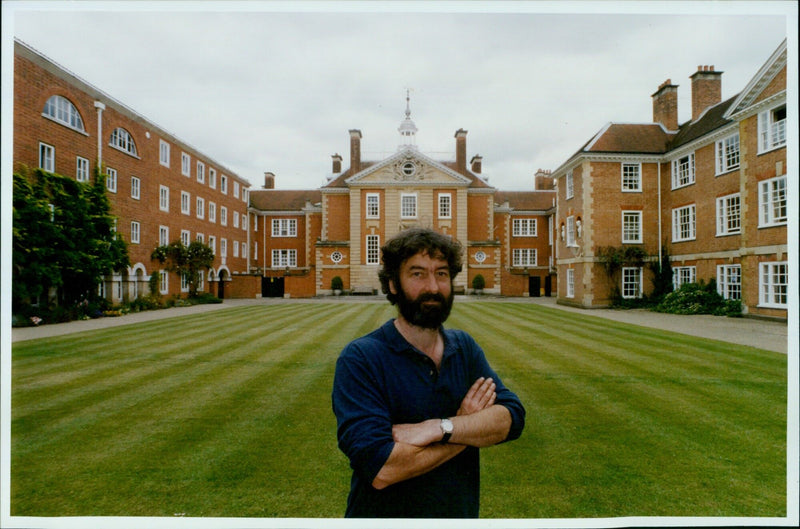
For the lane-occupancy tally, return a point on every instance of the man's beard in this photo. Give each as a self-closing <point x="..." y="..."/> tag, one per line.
<point x="417" y="313"/>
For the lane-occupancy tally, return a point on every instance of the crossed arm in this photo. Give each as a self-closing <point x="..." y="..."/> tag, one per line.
<point x="479" y="422"/>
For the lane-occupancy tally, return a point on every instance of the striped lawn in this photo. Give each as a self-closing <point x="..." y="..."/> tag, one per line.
<point x="228" y="413"/>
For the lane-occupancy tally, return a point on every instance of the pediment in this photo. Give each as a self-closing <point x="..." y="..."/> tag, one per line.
<point x="750" y="96"/>
<point x="408" y="167"/>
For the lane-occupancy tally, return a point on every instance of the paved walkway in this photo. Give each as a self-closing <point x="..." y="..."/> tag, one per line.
<point x="764" y="334"/>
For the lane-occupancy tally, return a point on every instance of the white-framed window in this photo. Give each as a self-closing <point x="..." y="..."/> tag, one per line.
<point x="212" y="212"/>
<point x="184" y="283"/>
<point x="445" y="205"/>
<point x="631" y="282"/>
<point x="524" y="228"/>
<point x="631" y="177"/>
<point x="235" y="189"/>
<point x="201" y="172"/>
<point x="136" y="188"/>
<point x="570" y="282"/>
<point x="245" y="194"/>
<point x="185" y="206"/>
<point x="571" y="231"/>
<point x="284" y="227"/>
<point x="186" y="237"/>
<point x="408" y="206"/>
<point x="524" y="257"/>
<point x="186" y="164"/>
<point x="570" y="185"/>
<point x="373" y="249"/>
<point x="729" y="281"/>
<point x="773" y="284"/>
<point x="729" y="215"/>
<point x="683" y="223"/>
<point x="223" y="216"/>
<point x="163" y="284"/>
<point x="163" y="198"/>
<point x="212" y="178"/>
<point x="163" y="153"/>
<point x="62" y="110"/>
<point x="122" y="140"/>
<point x="727" y="157"/>
<point x="772" y="202"/>
<point x="47" y="157"/>
<point x="772" y="128"/>
<point x="632" y="227"/>
<point x="223" y="247"/>
<point x="373" y="205"/>
<point x="163" y="235"/>
<point x="111" y="180"/>
<point x="244" y="250"/>
<point x="682" y="275"/>
<point x="212" y="243"/>
<point x="223" y="184"/>
<point x="200" y="207"/>
<point x="200" y="238"/>
<point x="82" y="170"/>
<point x="235" y="219"/>
<point x="683" y="171"/>
<point x="135" y="232"/>
<point x="284" y="258"/>
<point x="236" y="248"/>
<point x="246" y="221"/>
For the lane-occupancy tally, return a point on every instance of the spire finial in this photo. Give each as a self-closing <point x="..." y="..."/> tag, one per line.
<point x="408" y="129"/>
<point x="408" y="103"/>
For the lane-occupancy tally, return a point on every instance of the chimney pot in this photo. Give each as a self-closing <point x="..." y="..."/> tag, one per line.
<point x="337" y="164"/>
<point x="461" y="150"/>
<point x="355" y="151"/>
<point x="706" y="89"/>
<point x="475" y="162"/>
<point x="665" y="105"/>
<point x="269" y="180"/>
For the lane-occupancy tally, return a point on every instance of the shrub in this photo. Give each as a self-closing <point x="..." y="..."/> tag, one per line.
<point x="478" y="282"/>
<point x="337" y="283"/>
<point x="695" y="298"/>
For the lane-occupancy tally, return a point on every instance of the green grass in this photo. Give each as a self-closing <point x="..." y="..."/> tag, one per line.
<point x="227" y="414"/>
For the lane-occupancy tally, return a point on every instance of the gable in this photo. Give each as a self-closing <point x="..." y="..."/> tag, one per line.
<point x="408" y="167"/>
<point x="763" y="84"/>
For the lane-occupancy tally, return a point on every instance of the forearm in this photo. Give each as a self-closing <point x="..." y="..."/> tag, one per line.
<point x="484" y="428"/>
<point x="408" y="461"/>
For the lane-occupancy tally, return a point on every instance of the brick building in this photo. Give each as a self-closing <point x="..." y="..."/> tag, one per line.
<point x="161" y="189"/>
<point x="301" y="240"/>
<point x="711" y="192"/>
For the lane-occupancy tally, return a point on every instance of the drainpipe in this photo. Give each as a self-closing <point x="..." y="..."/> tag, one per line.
<point x="100" y="107"/>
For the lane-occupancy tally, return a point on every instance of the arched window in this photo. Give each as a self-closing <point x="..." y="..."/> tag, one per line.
<point x="62" y="110"/>
<point x="122" y="139"/>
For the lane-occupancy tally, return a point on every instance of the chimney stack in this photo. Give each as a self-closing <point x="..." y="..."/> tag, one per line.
<point x="269" y="180"/>
<point x="355" y="151"/>
<point x="337" y="164"/>
<point x="461" y="150"/>
<point x="706" y="89"/>
<point x="543" y="180"/>
<point x="475" y="162"/>
<point x="665" y="105"/>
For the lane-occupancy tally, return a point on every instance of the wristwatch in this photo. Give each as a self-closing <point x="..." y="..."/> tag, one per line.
<point x="447" y="429"/>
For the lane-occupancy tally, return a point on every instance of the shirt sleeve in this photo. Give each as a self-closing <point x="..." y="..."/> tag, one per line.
<point x="364" y="427"/>
<point x="505" y="397"/>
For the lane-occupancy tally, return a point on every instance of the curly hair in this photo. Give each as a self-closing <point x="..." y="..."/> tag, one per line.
<point x="411" y="242"/>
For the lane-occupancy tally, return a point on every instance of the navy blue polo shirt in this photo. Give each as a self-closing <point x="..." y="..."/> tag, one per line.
<point x="382" y="380"/>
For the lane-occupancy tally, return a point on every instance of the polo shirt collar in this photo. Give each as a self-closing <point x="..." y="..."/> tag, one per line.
<point x="398" y="344"/>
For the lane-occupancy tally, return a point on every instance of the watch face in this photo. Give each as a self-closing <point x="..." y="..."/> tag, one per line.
<point x="447" y="426"/>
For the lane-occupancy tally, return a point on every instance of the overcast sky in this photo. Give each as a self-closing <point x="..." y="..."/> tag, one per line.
<point x="259" y="88"/>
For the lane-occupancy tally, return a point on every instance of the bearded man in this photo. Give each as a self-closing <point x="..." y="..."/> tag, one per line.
<point x="414" y="402"/>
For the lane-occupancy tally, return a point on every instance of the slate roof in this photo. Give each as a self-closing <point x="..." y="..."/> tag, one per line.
<point x="283" y="200"/>
<point x="648" y="138"/>
<point x="712" y="119"/>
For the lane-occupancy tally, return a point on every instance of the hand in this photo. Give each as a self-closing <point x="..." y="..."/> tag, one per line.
<point x="419" y="434"/>
<point x="480" y="396"/>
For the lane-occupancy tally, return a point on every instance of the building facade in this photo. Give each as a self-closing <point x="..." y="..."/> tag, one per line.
<point x="711" y="193"/>
<point x="302" y="240"/>
<point x="160" y="188"/>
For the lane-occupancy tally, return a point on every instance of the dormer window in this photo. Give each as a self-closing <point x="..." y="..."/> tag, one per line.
<point x="772" y="129"/>
<point x="62" y="110"/>
<point x="121" y="139"/>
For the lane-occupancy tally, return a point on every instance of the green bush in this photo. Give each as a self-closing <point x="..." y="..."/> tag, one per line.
<point x="337" y="283"/>
<point x="697" y="298"/>
<point x="478" y="282"/>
